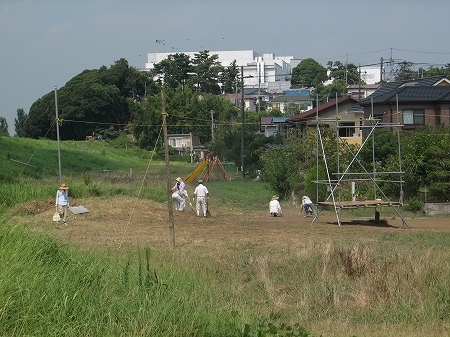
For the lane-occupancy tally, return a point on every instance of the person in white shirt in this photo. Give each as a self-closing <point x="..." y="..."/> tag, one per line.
<point x="62" y="202"/>
<point x="201" y="194"/>
<point x="179" y="194"/>
<point x="307" y="204"/>
<point x="275" y="207"/>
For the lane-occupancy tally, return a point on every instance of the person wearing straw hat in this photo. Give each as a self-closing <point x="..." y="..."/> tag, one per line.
<point x="179" y="194"/>
<point x="275" y="207"/>
<point x="62" y="202"/>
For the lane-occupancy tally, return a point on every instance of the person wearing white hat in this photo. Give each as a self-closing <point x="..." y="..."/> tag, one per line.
<point x="275" y="207"/>
<point x="201" y="193"/>
<point x="179" y="194"/>
<point x="307" y="204"/>
<point x="62" y="202"/>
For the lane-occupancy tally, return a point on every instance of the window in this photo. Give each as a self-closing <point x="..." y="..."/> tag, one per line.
<point x="413" y="117"/>
<point x="176" y="142"/>
<point x="346" y="129"/>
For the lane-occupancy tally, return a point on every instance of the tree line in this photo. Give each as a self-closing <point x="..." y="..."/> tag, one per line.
<point x="120" y="99"/>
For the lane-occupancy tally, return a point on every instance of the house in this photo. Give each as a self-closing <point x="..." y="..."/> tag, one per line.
<point x="249" y="101"/>
<point x="411" y="103"/>
<point x="343" y="113"/>
<point x="291" y="99"/>
<point x="185" y="143"/>
<point x="360" y="92"/>
<point x="271" y="126"/>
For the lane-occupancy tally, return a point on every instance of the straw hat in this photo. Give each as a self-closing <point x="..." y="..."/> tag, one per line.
<point x="63" y="187"/>
<point x="178" y="179"/>
<point x="275" y="197"/>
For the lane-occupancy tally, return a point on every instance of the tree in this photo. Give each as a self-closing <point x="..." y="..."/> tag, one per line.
<point x="404" y="71"/>
<point x="348" y="73"/>
<point x="92" y="102"/>
<point x="230" y="78"/>
<point x="175" y="70"/>
<point x="19" y="122"/>
<point x="308" y="73"/>
<point x="207" y="70"/>
<point x="3" y="127"/>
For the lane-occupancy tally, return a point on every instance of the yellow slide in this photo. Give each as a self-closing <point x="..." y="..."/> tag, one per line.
<point x="198" y="170"/>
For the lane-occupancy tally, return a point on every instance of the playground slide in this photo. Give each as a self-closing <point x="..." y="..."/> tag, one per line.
<point x="198" y="170"/>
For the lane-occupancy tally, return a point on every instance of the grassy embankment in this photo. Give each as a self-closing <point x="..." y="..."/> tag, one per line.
<point x="394" y="284"/>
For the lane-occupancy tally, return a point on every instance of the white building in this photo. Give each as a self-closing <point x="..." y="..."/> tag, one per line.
<point x="260" y="71"/>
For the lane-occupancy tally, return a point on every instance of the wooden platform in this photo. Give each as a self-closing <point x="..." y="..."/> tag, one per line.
<point x="360" y="203"/>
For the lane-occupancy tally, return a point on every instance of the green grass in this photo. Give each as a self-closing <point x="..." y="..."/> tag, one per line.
<point x="391" y="284"/>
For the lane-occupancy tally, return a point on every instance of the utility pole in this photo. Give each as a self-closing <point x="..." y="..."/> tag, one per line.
<point x="57" y="134"/>
<point x="242" y="124"/>
<point x="166" y="155"/>
<point x="259" y="87"/>
<point x="381" y="70"/>
<point x="212" y="126"/>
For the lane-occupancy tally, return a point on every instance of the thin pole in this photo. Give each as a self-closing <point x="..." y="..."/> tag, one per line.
<point x="212" y="126"/>
<point x="317" y="147"/>
<point x="57" y="135"/>
<point x="242" y="124"/>
<point x="259" y="87"/>
<point x="373" y="154"/>
<point x="402" y="196"/>
<point x="338" y="148"/>
<point x="166" y="155"/>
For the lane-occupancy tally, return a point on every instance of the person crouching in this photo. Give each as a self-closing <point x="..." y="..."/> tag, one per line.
<point x="275" y="207"/>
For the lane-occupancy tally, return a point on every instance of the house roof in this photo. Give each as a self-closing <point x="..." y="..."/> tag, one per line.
<point x="321" y="108"/>
<point x="289" y="98"/>
<point x="272" y="120"/>
<point x="428" y="89"/>
<point x="254" y="91"/>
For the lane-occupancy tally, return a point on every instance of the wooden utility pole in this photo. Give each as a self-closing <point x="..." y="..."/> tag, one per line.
<point x="57" y="135"/>
<point x="166" y="155"/>
<point x="242" y="124"/>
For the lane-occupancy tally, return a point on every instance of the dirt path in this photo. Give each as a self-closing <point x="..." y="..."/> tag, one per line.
<point x="123" y="221"/>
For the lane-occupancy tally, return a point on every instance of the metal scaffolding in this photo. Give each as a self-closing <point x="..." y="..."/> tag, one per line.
<point x="363" y="175"/>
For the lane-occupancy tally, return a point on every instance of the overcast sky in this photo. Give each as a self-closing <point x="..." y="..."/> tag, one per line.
<point x="44" y="43"/>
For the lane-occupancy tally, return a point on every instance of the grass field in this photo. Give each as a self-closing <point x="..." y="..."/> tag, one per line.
<point x="112" y="271"/>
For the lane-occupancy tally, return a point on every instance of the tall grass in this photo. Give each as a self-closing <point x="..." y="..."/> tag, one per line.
<point x="50" y="289"/>
<point x="392" y="284"/>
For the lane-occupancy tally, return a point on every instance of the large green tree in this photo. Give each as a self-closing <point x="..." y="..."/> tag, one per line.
<point x="308" y="73"/>
<point x="175" y="70"/>
<point x="94" y="101"/>
<point x="348" y="73"/>
<point x="207" y="69"/>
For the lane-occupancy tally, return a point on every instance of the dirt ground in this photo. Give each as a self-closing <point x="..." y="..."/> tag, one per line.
<point x="123" y="221"/>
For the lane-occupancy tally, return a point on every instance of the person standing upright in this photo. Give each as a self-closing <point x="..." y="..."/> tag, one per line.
<point x="62" y="202"/>
<point x="201" y="194"/>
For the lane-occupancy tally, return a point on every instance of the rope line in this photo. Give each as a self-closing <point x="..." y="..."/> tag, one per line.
<point x="139" y="192"/>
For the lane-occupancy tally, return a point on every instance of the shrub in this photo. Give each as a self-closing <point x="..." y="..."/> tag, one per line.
<point x="414" y="205"/>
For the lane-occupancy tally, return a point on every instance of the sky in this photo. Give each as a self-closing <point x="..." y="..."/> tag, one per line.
<point x="44" y="43"/>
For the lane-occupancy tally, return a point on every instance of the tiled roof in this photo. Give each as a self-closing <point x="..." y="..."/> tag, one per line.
<point x="419" y="90"/>
<point x="410" y="94"/>
<point x="322" y="107"/>
<point x="297" y="98"/>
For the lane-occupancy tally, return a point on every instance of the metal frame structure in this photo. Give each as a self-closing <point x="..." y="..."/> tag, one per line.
<point x="334" y="184"/>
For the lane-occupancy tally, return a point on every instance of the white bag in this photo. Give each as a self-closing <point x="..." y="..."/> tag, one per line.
<point x="56" y="216"/>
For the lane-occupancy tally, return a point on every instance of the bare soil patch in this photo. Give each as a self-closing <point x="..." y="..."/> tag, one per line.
<point x="123" y="221"/>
